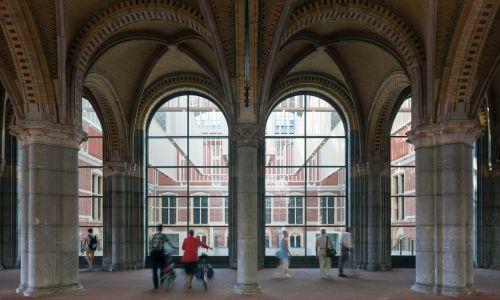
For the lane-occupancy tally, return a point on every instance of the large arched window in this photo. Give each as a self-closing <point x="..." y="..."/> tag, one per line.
<point x="187" y="171"/>
<point x="305" y="173"/>
<point x="402" y="155"/>
<point x="91" y="177"/>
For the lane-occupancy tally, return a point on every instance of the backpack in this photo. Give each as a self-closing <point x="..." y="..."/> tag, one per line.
<point x="92" y="242"/>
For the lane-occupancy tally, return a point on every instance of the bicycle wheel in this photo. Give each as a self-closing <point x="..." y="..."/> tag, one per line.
<point x="169" y="281"/>
<point x="205" y="279"/>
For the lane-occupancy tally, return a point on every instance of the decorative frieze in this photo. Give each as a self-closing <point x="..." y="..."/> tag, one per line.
<point x="121" y="168"/>
<point x="450" y="132"/>
<point x="48" y="133"/>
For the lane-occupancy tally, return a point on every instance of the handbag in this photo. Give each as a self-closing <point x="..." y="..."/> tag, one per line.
<point x="330" y="252"/>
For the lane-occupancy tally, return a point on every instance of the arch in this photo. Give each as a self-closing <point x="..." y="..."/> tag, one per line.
<point x="32" y="68"/>
<point x="319" y="84"/>
<point x="377" y="17"/>
<point x="112" y="20"/>
<point x="381" y="114"/>
<point x="463" y="66"/>
<point x="169" y="85"/>
<point x="106" y="102"/>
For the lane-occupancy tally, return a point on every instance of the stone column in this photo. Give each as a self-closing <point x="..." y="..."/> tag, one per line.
<point x="443" y="161"/>
<point x="49" y="207"/>
<point x="495" y="194"/>
<point x="247" y="139"/>
<point x="378" y="226"/>
<point x="8" y="205"/>
<point x="123" y="217"/>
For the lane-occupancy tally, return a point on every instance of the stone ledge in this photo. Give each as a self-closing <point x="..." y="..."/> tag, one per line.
<point x="444" y="290"/>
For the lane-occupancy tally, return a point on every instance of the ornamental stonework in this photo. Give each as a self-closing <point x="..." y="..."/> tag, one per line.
<point x="451" y="132"/>
<point x="250" y="135"/>
<point x="48" y="133"/>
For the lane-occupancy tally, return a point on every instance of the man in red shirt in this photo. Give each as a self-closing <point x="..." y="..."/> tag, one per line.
<point x="190" y="257"/>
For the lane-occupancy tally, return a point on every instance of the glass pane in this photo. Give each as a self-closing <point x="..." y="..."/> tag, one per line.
<point x="402" y="240"/>
<point x="90" y="121"/>
<point x="322" y="119"/>
<point x="333" y="233"/>
<point x="326" y="210"/>
<point x="274" y="237"/>
<point x="215" y="237"/>
<point x="325" y="152"/>
<point x="287" y="118"/>
<point x="284" y="181"/>
<point x="170" y="118"/>
<point x="83" y="233"/>
<point x="402" y="122"/>
<point x="167" y="180"/>
<point x="402" y="153"/>
<point x="167" y="210"/>
<point x="167" y="152"/>
<point x="284" y="151"/>
<point x="208" y="151"/>
<point x="176" y="236"/>
<point x="326" y="180"/>
<point x="205" y="118"/>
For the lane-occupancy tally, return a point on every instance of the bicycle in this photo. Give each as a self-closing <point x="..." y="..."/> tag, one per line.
<point x="204" y="270"/>
<point x="169" y="274"/>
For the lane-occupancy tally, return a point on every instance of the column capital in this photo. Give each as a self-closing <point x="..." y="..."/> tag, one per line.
<point x="449" y="132"/>
<point x="48" y="133"/>
<point x="121" y="168"/>
<point x="247" y="134"/>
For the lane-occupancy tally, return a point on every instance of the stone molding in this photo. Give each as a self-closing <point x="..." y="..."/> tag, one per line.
<point x="247" y="135"/>
<point x="450" y="132"/>
<point x="121" y="168"/>
<point x="48" y="133"/>
<point x="373" y="168"/>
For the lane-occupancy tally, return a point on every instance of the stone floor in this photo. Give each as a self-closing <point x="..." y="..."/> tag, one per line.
<point x="304" y="284"/>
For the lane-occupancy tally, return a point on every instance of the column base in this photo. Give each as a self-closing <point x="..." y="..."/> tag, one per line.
<point x="444" y="290"/>
<point x="37" y="292"/>
<point x="247" y="288"/>
<point x="377" y="267"/>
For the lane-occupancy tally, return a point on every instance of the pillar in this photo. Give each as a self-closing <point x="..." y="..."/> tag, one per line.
<point x="123" y="219"/>
<point x="443" y="161"/>
<point x="247" y="139"/>
<point x="378" y="208"/>
<point x="495" y="194"/>
<point x="49" y="207"/>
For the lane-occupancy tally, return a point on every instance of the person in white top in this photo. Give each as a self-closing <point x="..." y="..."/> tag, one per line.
<point x="325" y="262"/>
<point x="345" y="249"/>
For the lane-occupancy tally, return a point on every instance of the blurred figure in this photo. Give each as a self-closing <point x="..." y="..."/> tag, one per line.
<point x="325" y="262"/>
<point x="157" y="253"/>
<point x="190" y="256"/>
<point x="90" y="246"/>
<point x="284" y="255"/>
<point x="345" y="249"/>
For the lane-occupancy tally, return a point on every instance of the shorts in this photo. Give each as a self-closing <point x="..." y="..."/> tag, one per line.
<point x="89" y="252"/>
<point x="189" y="267"/>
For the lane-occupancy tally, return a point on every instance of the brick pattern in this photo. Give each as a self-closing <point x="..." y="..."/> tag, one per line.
<point x="44" y="14"/>
<point x="224" y="16"/>
<point x="269" y="16"/>
<point x="171" y="84"/>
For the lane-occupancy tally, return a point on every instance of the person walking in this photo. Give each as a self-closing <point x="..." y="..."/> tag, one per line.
<point x="157" y="252"/>
<point x="284" y="256"/>
<point x="90" y="246"/>
<point x="344" y="258"/>
<point x="325" y="262"/>
<point x="190" y="256"/>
